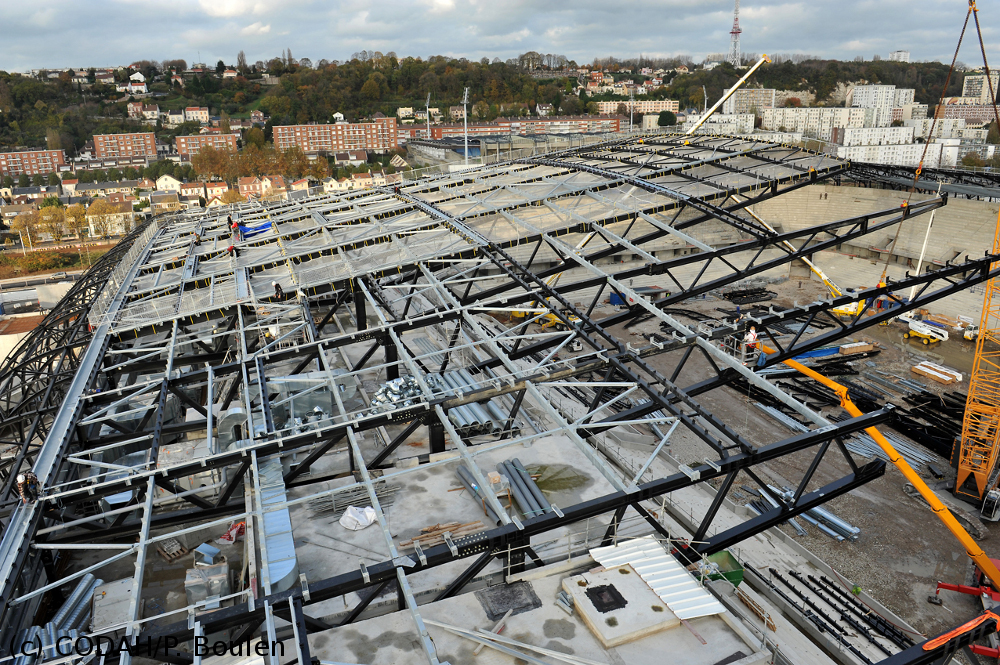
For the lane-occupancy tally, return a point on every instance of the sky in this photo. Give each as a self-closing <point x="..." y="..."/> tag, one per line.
<point x="71" y="33"/>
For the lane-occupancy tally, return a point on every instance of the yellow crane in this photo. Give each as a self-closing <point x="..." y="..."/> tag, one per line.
<point x="983" y="562"/>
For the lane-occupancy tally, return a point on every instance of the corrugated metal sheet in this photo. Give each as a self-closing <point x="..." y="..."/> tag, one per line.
<point x="664" y="574"/>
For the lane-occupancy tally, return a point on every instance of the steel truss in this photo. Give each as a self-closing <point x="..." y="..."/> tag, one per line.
<point x="182" y="326"/>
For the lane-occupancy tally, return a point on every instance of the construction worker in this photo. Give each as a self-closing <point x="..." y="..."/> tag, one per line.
<point x="751" y="338"/>
<point x="28" y="489"/>
<point x="279" y="293"/>
<point x="32" y="480"/>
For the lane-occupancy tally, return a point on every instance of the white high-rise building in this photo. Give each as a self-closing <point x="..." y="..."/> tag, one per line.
<point x="816" y="122"/>
<point x="975" y="86"/>
<point x="882" y="98"/>
<point x="899" y="56"/>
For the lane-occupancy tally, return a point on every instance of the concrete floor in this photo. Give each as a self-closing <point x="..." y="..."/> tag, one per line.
<point x="392" y="639"/>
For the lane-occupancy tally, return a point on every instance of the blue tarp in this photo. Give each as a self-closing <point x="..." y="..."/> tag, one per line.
<point x="819" y="353"/>
<point x="248" y="231"/>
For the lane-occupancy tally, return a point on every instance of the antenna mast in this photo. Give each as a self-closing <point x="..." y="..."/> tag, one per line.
<point x="734" y="35"/>
<point x="428" y="107"/>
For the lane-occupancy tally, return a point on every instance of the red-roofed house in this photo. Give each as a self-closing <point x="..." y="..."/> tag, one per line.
<point x="213" y="189"/>
<point x="251" y="187"/>
<point x="193" y="189"/>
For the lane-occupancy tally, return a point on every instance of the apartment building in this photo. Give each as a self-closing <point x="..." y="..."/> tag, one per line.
<point x="189" y="146"/>
<point x="816" y="122"/>
<point x="909" y="112"/>
<point x="140" y="144"/>
<point x="944" y="128"/>
<point x="578" y="124"/>
<point x="639" y="106"/>
<point x="906" y="154"/>
<point x="899" y="56"/>
<point x="975" y="86"/>
<point x="377" y="136"/>
<point x="31" y="162"/>
<point x="749" y="100"/>
<point x="977" y="115"/>
<point x="884" y="99"/>
<point x="853" y="136"/>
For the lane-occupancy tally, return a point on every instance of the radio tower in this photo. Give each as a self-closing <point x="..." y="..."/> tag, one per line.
<point x="734" y="34"/>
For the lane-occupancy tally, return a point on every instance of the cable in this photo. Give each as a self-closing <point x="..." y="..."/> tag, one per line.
<point x="930" y="134"/>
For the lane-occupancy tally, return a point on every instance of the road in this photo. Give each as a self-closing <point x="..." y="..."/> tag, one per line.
<point x="26" y="282"/>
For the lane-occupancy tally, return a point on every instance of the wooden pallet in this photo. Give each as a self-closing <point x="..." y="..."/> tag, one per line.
<point x="171" y="549"/>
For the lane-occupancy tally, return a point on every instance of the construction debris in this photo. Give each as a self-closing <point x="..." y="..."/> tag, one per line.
<point x="856" y="347"/>
<point x="335" y="504"/>
<point x="434" y="535"/>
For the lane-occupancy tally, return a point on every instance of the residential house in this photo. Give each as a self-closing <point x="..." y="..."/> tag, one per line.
<point x="69" y="185"/>
<point x="106" y="79"/>
<point x="195" y="189"/>
<point x="250" y="188"/>
<point x="214" y="189"/>
<point x="196" y="114"/>
<point x="681" y="69"/>
<point x="164" y="201"/>
<point x="214" y="202"/>
<point x="543" y="109"/>
<point x="456" y="112"/>
<point x="301" y="184"/>
<point x="352" y="157"/>
<point x="9" y="212"/>
<point x="81" y="78"/>
<point x="174" y="118"/>
<point x="116" y="223"/>
<point x="176" y="79"/>
<point x="145" y="183"/>
<point x="190" y="201"/>
<point x="35" y="193"/>
<point x="404" y="112"/>
<point x="257" y="117"/>
<point x="121" y="197"/>
<point x="168" y="183"/>
<point x="229" y="74"/>
<point x="334" y="185"/>
<point x="274" y="186"/>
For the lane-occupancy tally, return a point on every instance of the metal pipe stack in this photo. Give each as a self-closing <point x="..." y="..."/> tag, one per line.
<point x="476" y="491"/>
<point x="825" y="518"/>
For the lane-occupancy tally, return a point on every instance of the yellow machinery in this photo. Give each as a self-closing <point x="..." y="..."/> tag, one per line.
<point x="976" y="553"/>
<point x="981" y="424"/>
<point x="850" y="309"/>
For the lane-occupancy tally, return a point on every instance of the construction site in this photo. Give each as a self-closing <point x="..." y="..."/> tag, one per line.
<point x="592" y="406"/>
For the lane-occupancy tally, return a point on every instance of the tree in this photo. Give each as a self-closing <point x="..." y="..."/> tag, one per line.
<point x="75" y="219"/>
<point x="37" y="180"/>
<point x="52" y="221"/>
<point x="241" y="63"/>
<point x="972" y="160"/>
<point x="54" y="180"/>
<point x="793" y="102"/>
<point x="220" y="67"/>
<point x="666" y="119"/>
<point x="993" y="136"/>
<point x="8" y="182"/>
<point x="896" y="123"/>
<point x="210" y="162"/>
<point x="371" y="90"/>
<point x="50" y="202"/>
<point x="114" y="174"/>
<point x="481" y="109"/>
<point x="232" y="196"/>
<point x="23" y="180"/>
<point x="100" y="214"/>
<point x="622" y="109"/>
<point x="131" y="173"/>
<point x="255" y="137"/>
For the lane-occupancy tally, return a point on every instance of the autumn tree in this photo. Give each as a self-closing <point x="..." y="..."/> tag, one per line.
<point x="232" y="196"/>
<point x="241" y="63"/>
<point x="51" y="220"/>
<point x="100" y="214"/>
<point x="75" y="219"/>
<point x="211" y="163"/>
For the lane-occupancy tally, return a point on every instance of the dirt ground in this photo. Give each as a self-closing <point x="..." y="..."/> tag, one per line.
<point x="903" y="550"/>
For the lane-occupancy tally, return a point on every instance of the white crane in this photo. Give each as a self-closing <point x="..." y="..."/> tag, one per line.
<point x="729" y="93"/>
<point x="428" y="107"/>
<point x="465" y="118"/>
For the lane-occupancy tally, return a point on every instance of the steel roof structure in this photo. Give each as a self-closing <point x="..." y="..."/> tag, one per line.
<point x="179" y="334"/>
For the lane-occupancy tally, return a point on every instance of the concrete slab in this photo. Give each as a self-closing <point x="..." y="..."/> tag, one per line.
<point x="617" y="606"/>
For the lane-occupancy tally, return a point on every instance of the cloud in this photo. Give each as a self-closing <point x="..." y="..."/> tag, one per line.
<point x="76" y="34"/>
<point x="256" y="29"/>
<point x="231" y="8"/>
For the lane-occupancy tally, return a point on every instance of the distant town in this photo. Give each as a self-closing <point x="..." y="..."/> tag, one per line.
<point x="154" y="137"/>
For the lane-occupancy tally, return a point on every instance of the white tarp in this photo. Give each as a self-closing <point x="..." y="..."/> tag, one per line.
<point x="356" y="519"/>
